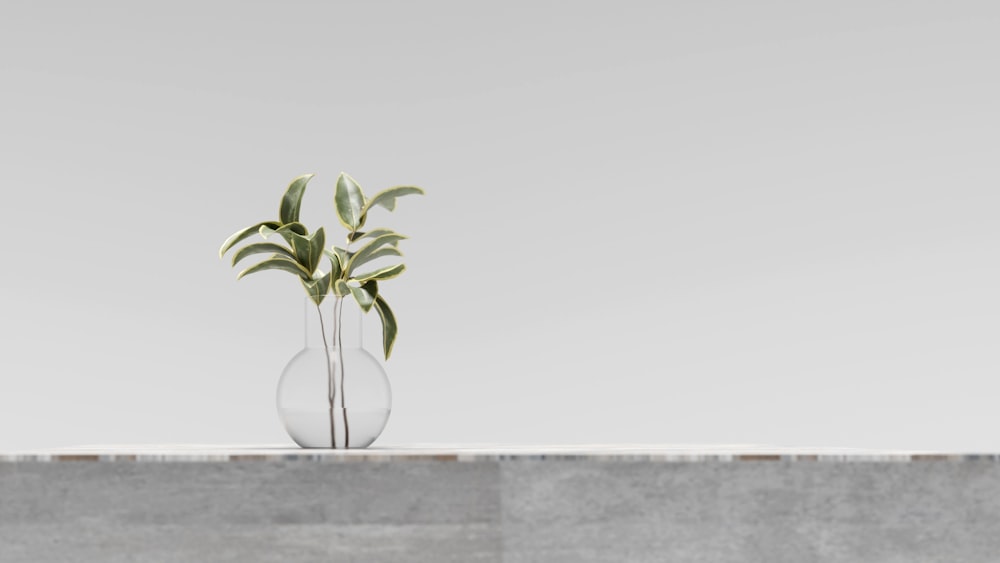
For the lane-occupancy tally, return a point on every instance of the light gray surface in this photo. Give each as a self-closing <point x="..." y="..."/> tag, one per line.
<point x="518" y="510"/>
<point x="712" y="221"/>
<point x="470" y="452"/>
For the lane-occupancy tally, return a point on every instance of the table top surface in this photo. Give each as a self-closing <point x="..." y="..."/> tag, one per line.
<point x="479" y="452"/>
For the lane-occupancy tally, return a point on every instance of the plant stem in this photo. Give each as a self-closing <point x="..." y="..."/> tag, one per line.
<point x="338" y="314"/>
<point x="331" y="386"/>
<point x="343" y="372"/>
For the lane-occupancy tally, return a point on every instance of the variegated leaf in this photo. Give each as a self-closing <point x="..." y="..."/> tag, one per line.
<point x="318" y="288"/>
<point x="363" y="254"/>
<point x="340" y="288"/>
<point x="380" y="253"/>
<point x="277" y="263"/>
<point x="260" y="248"/>
<point x="336" y="268"/>
<point x="374" y="233"/>
<point x="243" y="234"/>
<point x="365" y="295"/>
<point x="387" y="198"/>
<point x="382" y="274"/>
<point x="309" y="250"/>
<point x="343" y="255"/>
<point x="389" y="328"/>
<point x="286" y="231"/>
<point x="291" y="202"/>
<point x="349" y="201"/>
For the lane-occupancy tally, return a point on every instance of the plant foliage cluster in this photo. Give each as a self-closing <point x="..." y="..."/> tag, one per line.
<point x="294" y="249"/>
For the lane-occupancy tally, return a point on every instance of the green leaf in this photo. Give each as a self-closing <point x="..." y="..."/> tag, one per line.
<point x="277" y="263"/>
<point x="286" y="231"/>
<point x="318" y="288"/>
<point x="364" y="254"/>
<point x="297" y="228"/>
<point x="374" y="233"/>
<point x="342" y="255"/>
<point x="389" y="328"/>
<point x="387" y="197"/>
<point x="383" y="274"/>
<point x="349" y="201"/>
<point x="316" y="244"/>
<point x="292" y="200"/>
<point x="243" y="234"/>
<point x="262" y="247"/>
<point x="387" y="250"/>
<point x="340" y="288"/>
<point x="383" y="252"/>
<point x="300" y="247"/>
<point x="336" y="268"/>
<point x="308" y="250"/>
<point x="365" y="295"/>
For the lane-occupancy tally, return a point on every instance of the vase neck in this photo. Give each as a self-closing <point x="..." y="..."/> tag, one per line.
<point x="334" y="318"/>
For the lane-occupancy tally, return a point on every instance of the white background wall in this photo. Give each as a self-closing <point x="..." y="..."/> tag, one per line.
<point x="684" y="222"/>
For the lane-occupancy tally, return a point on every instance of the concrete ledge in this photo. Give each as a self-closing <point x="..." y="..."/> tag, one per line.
<point x="483" y="452"/>
<point x="441" y="505"/>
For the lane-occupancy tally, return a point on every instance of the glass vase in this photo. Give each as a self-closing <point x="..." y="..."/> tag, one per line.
<point x="334" y="393"/>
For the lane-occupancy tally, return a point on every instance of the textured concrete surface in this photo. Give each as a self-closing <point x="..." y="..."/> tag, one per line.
<point x="252" y="511"/>
<point x="767" y="511"/>
<point x="517" y="510"/>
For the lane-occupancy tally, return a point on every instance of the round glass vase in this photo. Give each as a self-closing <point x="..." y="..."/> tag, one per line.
<point x="333" y="393"/>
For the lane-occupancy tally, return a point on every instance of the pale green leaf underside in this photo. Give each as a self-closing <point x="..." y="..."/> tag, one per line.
<point x="336" y="268"/>
<point x="287" y="232"/>
<point x="365" y="295"/>
<point x="343" y="256"/>
<point x="340" y="288"/>
<point x="387" y="197"/>
<point x="318" y="289"/>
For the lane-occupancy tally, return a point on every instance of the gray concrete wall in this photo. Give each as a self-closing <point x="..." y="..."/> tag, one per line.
<point x="501" y="511"/>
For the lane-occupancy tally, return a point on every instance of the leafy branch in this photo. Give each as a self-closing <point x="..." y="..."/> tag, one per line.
<point x="352" y="211"/>
<point x="302" y="252"/>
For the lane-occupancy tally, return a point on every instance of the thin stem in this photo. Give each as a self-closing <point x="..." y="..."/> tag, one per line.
<point x="331" y="386"/>
<point x="339" y="307"/>
<point x="343" y="373"/>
